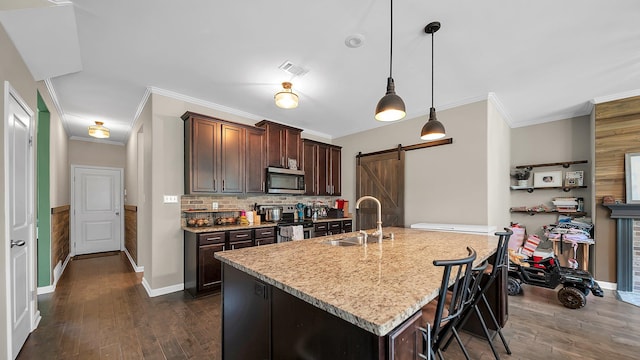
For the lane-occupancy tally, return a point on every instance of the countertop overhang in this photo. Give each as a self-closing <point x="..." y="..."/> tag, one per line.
<point x="376" y="287"/>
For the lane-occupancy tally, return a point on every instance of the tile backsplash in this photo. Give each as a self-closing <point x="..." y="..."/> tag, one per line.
<point x="247" y="202"/>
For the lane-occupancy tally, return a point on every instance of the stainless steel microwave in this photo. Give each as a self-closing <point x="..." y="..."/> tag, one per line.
<point x="285" y="181"/>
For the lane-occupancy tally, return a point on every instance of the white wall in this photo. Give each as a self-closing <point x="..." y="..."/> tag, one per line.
<point x="498" y="165"/>
<point x="96" y="154"/>
<point x="443" y="184"/>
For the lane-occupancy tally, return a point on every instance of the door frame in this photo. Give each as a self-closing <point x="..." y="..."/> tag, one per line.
<point x="34" y="313"/>
<point x="72" y="237"/>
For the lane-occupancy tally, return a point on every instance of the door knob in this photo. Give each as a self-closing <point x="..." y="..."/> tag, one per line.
<point x="17" y="243"/>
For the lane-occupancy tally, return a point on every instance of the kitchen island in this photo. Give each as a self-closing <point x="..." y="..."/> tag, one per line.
<point x="309" y="299"/>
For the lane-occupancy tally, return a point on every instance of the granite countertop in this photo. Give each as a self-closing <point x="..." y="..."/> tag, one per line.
<point x="205" y="229"/>
<point x="376" y="287"/>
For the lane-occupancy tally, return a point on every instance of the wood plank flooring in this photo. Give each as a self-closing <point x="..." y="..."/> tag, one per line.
<point x="101" y="311"/>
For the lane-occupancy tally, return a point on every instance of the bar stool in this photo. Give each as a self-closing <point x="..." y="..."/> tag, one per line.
<point x="442" y="314"/>
<point x="492" y="272"/>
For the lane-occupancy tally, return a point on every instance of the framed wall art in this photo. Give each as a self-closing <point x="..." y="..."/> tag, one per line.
<point x="632" y="177"/>
<point x="573" y="178"/>
<point x="547" y="179"/>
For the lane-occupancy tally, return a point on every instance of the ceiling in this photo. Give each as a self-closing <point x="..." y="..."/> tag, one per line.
<point x="541" y="61"/>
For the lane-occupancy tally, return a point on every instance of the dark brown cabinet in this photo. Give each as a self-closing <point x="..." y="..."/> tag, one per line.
<point x="347" y="226"/>
<point x="255" y="162"/>
<point x="239" y="239"/>
<point x="202" y="271"/>
<point x="321" y="229"/>
<point x="232" y="172"/>
<point x="264" y="236"/>
<point x="282" y="143"/>
<point x="321" y="164"/>
<point x="335" y="227"/>
<point x="201" y="155"/>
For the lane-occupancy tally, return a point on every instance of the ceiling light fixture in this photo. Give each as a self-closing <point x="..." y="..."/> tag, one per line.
<point x="286" y="98"/>
<point x="433" y="129"/>
<point x="390" y="107"/>
<point x="99" y="131"/>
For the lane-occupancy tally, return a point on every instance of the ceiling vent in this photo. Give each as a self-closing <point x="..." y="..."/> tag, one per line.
<point x="291" y="68"/>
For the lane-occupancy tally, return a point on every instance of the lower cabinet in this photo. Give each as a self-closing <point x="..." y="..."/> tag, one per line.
<point x="347" y="226"/>
<point x="202" y="271"/>
<point x="264" y="236"/>
<point x="325" y="228"/>
<point x="321" y="229"/>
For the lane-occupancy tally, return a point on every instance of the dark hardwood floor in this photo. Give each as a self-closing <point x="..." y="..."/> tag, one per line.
<point x="101" y="311"/>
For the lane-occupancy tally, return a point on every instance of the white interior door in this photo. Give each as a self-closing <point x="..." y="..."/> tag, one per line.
<point x="97" y="209"/>
<point x="20" y="174"/>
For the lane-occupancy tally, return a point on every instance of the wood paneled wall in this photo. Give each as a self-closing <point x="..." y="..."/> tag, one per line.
<point x="617" y="131"/>
<point x="131" y="231"/>
<point x="59" y="235"/>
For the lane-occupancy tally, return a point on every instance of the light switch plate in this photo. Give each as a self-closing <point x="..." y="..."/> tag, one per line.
<point x="171" y="199"/>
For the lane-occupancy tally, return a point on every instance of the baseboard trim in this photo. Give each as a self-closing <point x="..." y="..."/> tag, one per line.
<point x="57" y="273"/>
<point x="161" y="291"/>
<point x="135" y="267"/>
<point x="608" y="285"/>
<point x="36" y="320"/>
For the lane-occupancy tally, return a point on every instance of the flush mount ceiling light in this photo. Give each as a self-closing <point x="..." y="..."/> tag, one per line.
<point x="286" y="98"/>
<point x="99" y="131"/>
<point x="433" y="129"/>
<point x="390" y="107"/>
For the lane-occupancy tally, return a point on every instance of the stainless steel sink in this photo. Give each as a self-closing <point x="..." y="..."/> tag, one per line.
<point x="348" y="241"/>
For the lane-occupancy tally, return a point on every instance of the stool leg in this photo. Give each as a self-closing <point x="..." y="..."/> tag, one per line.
<point x="495" y="323"/>
<point x="486" y="332"/>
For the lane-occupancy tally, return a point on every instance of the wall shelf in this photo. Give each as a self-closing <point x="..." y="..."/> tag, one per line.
<point x="565" y="164"/>
<point x="530" y="189"/>
<point x="533" y="212"/>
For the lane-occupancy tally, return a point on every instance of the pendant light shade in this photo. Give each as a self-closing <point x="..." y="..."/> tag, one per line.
<point x="286" y="98"/>
<point x="433" y="129"/>
<point x="99" y="131"/>
<point x="390" y="107"/>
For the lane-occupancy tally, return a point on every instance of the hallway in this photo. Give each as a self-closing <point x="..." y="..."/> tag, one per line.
<point x="101" y="311"/>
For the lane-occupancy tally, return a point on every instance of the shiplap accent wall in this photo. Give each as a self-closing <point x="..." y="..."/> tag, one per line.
<point x="617" y="131"/>
<point x="59" y="235"/>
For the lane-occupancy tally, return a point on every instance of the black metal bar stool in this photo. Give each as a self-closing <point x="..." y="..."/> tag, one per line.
<point x="442" y="314"/>
<point x="491" y="272"/>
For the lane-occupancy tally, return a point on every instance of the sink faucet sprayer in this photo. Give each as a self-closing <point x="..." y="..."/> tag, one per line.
<point x="378" y="231"/>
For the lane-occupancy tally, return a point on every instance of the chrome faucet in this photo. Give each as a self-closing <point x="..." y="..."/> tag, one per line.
<point x="378" y="231"/>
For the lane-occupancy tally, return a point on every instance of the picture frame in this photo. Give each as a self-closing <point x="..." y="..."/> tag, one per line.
<point x="574" y="178"/>
<point x="544" y="179"/>
<point x="632" y="177"/>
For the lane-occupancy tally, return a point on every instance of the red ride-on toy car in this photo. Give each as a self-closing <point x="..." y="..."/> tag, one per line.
<point x="549" y="274"/>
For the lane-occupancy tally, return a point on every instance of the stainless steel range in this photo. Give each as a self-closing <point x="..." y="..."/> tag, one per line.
<point x="289" y="219"/>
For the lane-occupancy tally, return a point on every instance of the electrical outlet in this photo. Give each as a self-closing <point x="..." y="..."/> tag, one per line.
<point x="171" y="199"/>
<point x="214" y="206"/>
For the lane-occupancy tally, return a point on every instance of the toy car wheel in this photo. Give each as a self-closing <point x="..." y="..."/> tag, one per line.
<point x="572" y="298"/>
<point x="513" y="286"/>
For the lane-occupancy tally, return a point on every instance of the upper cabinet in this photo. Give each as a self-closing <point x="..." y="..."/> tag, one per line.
<point x="222" y="157"/>
<point x="321" y="164"/>
<point x="282" y="143"/>
<point x="255" y="161"/>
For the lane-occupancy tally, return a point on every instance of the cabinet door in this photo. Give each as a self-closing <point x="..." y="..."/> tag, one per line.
<point x="232" y="159"/>
<point x="209" y="268"/>
<point x="275" y="145"/>
<point x="255" y="162"/>
<point x="310" y="167"/>
<point x="201" y="153"/>
<point x="405" y="341"/>
<point x="347" y="226"/>
<point x="335" y="227"/>
<point x="292" y="146"/>
<point x="323" y="173"/>
<point x="240" y="244"/>
<point x="335" y="169"/>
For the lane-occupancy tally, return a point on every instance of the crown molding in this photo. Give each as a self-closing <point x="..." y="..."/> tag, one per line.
<point x="56" y="104"/>
<point x="141" y="105"/>
<point x="587" y="108"/>
<point x="99" y="141"/>
<point x="613" y="97"/>
<point x="208" y="104"/>
<point x="493" y="98"/>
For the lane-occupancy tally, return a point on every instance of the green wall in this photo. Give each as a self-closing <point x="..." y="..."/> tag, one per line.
<point x="44" y="209"/>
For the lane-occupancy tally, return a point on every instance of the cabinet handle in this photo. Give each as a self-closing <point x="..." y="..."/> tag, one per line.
<point x="262" y="186"/>
<point x="241" y="235"/>
<point x="222" y="185"/>
<point x="214" y="185"/>
<point x="224" y="247"/>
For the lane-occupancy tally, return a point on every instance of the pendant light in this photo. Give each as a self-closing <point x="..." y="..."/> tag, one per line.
<point x="286" y="98"/>
<point x="99" y="131"/>
<point x="433" y="129"/>
<point x="390" y="107"/>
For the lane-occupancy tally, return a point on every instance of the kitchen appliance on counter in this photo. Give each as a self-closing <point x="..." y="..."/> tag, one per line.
<point x="289" y="219"/>
<point x="269" y="213"/>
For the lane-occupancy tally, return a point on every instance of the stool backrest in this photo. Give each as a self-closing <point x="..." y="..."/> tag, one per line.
<point x="501" y="252"/>
<point x="457" y="275"/>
